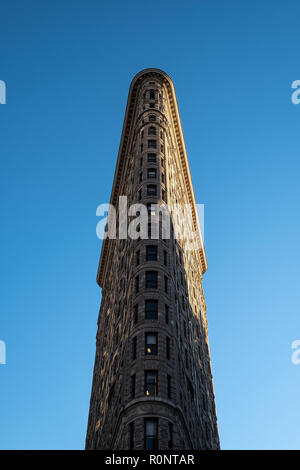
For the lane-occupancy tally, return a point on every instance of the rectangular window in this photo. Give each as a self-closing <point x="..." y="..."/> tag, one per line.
<point x="137" y="258"/>
<point x="140" y="194"/>
<point x="151" y="344"/>
<point x="151" y="130"/>
<point x="151" y="190"/>
<point x="166" y="284"/>
<point x="151" y="440"/>
<point x="151" y="173"/>
<point x="152" y="144"/>
<point x="168" y="347"/>
<point x="162" y="177"/>
<point x="134" y="341"/>
<point x="151" y="157"/>
<point x="137" y="284"/>
<point x="169" y="381"/>
<point x="131" y="435"/>
<point x="141" y="177"/>
<point x="151" y="383"/>
<point x="141" y="162"/>
<point x="167" y="314"/>
<point x="165" y="258"/>
<point x="151" y="253"/>
<point x="136" y="313"/>
<point x="151" y="280"/>
<point x="170" y="436"/>
<point x="132" y="386"/>
<point x="151" y="309"/>
<point x="142" y="147"/>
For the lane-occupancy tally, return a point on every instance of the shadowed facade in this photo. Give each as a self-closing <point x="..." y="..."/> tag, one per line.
<point x="152" y="383"/>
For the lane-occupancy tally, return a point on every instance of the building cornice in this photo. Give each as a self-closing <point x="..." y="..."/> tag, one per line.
<point x="123" y="152"/>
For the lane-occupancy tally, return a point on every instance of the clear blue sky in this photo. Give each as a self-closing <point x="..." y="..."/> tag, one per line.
<point x="68" y="67"/>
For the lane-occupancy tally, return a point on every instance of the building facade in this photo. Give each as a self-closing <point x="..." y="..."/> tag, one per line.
<point x="152" y="383"/>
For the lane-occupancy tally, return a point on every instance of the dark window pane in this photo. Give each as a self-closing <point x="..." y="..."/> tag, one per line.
<point x="170" y="436"/>
<point x="151" y="441"/>
<point x="168" y="348"/>
<point x="134" y="348"/>
<point x="132" y="386"/>
<point x="152" y="157"/>
<point x="151" y="309"/>
<point x="152" y="144"/>
<point x="151" y="130"/>
<point x="151" y="279"/>
<point x="136" y="313"/>
<point x="167" y="313"/>
<point x="151" y="173"/>
<point x="169" y="386"/>
<point x="166" y="284"/>
<point x="151" y="253"/>
<point x="151" y="190"/>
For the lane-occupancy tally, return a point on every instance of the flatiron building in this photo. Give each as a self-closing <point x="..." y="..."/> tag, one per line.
<point x="152" y="383"/>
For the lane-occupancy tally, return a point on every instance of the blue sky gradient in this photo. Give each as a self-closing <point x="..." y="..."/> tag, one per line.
<point x="68" y="67"/>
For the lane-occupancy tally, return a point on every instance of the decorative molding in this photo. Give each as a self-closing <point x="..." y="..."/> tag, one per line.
<point x="123" y="152"/>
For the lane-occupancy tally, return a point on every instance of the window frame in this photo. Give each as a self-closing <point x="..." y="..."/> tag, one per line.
<point x="152" y="143"/>
<point x="153" y="312"/>
<point x="151" y="190"/>
<point x="151" y="439"/>
<point x="151" y="383"/>
<point x="150" y="173"/>
<point x="151" y="345"/>
<point x="151" y="283"/>
<point x="151" y="256"/>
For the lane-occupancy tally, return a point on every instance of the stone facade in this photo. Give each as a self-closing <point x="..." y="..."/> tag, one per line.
<point x="152" y="384"/>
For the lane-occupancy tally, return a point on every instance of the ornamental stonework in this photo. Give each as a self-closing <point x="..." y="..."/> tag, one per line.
<point x="152" y="383"/>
